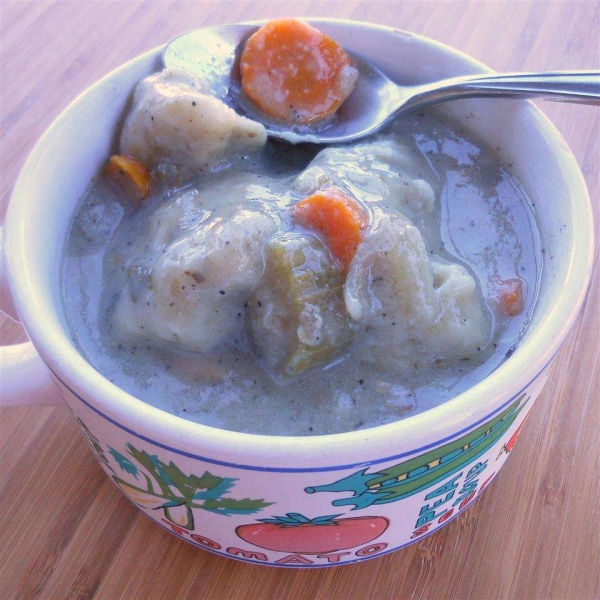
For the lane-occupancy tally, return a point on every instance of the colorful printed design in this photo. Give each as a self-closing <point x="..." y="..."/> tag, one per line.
<point x="416" y="474"/>
<point x="168" y="488"/>
<point x="511" y="442"/>
<point x="297" y="534"/>
<point x="93" y="442"/>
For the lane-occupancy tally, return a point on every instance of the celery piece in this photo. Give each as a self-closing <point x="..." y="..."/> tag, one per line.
<point x="297" y="319"/>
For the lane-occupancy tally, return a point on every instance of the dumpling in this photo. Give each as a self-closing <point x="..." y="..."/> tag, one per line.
<point x="177" y="126"/>
<point x="383" y="172"/>
<point x="463" y="325"/>
<point x="408" y="306"/>
<point x="192" y="293"/>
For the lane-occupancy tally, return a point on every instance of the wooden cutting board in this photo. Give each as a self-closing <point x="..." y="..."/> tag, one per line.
<point x="66" y="531"/>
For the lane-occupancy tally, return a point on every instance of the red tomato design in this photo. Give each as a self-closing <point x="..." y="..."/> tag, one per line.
<point x="295" y="534"/>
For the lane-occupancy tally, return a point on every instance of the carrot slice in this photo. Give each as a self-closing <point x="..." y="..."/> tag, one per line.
<point x="510" y="296"/>
<point x="295" y="73"/>
<point x="130" y="174"/>
<point x="339" y="219"/>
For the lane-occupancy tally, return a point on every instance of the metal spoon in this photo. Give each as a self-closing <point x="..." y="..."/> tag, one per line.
<point x="214" y="54"/>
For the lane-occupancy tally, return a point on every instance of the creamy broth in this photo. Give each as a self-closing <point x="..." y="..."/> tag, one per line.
<point x="481" y="219"/>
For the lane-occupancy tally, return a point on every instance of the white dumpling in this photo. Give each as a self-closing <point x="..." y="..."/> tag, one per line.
<point x="193" y="294"/>
<point x="384" y="172"/>
<point x="195" y="205"/>
<point x="409" y="306"/>
<point x="175" y="124"/>
<point x="463" y="326"/>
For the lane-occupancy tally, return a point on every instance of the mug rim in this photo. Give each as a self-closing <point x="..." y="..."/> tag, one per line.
<point x="534" y="355"/>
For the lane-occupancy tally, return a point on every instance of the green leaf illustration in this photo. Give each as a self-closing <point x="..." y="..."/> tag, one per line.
<point x="218" y="490"/>
<point x="209" y="481"/>
<point x="124" y="463"/>
<point x="149" y="462"/>
<point x="179" y="493"/>
<point x="186" y="484"/>
<point x="295" y="519"/>
<point x="230" y="506"/>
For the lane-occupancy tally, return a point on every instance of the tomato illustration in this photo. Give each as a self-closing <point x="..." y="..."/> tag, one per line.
<point x="297" y="534"/>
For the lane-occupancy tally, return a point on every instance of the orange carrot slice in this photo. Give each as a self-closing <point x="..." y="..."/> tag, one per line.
<point x="510" y="296"/>
<point x="295" y="73"/>
<point x="339" y="219"/>
<point x="130" y="174"/>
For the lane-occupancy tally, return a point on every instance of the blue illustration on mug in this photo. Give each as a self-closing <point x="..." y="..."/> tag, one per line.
<point x="417" y="474"/>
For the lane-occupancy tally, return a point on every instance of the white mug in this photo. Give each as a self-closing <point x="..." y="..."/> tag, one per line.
<point x="292" y="501"/>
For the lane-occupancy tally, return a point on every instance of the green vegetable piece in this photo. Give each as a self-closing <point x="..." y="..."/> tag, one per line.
<point x="297" y="318"/>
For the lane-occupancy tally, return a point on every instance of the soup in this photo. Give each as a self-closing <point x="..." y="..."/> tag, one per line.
<point x="297" y="290"/>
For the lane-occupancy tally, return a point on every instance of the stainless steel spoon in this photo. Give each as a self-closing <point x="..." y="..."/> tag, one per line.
<point x="214" y="54"/>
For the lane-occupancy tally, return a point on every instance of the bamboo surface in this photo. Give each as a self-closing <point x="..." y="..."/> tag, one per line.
<point x="67" y="532"/>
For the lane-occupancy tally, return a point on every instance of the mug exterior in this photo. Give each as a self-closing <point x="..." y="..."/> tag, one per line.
<point x="300" y="502"/>
<point x="305" y="517"/>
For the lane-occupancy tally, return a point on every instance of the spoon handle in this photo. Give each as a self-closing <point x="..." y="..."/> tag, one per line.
<point x="582" y="87"/>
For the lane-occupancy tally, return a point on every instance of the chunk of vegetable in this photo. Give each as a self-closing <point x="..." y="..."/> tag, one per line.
<point x="510" y="296"/>
<point x="295" y="73"/>
<point x="130" y="174"/>
<point x="338" y="218"/>
<point x="296" y="318"/>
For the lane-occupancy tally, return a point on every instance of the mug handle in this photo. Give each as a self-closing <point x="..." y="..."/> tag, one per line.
<point x="24" y="378"/>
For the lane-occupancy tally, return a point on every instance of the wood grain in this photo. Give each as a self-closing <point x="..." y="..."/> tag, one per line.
<point x="66" y="531"/>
